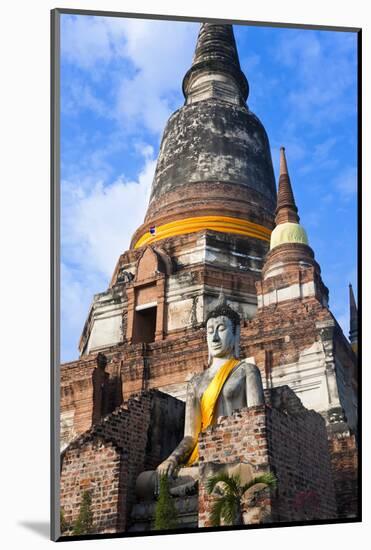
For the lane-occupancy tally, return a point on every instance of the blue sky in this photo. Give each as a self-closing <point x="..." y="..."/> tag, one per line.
<point x="120" y="81"/>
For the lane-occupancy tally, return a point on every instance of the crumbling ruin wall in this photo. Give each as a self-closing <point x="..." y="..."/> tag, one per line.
<point x="293" y="446"/>
<point x="107" y="459"/>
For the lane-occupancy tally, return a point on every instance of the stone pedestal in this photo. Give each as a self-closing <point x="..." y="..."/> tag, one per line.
<point x="143" y="514"/>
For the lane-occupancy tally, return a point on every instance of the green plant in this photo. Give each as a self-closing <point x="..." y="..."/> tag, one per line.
<point x="228" y="504"/>
<point x="84" y="522"/>
<point x="165" y="513"/>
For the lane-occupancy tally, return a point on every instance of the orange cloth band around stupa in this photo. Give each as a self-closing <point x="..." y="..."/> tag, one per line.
<point x="223" y="224"/>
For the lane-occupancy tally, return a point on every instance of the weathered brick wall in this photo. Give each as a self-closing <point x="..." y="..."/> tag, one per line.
<point x="292" y="446"/>
<point x="90" y="388"/>
<point x="276" y="336"/>
<point x="82" y="471"/>
<point x="237" y="438"/>
<point x="344" y="463"/>
<point x="284" y="331"/>
<point x="77" y="393"/>
<point x="108" y="458"/>
<point x="169" y="362"/>
<point x="301" y="462"/>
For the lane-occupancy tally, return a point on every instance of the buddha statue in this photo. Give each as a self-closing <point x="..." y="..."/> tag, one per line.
<point x="226" y="385"/>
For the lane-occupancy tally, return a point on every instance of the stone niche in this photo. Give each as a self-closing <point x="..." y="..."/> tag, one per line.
<point x="281" y="437"/>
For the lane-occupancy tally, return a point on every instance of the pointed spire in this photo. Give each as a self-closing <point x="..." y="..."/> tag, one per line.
<point x="288" y="228"/>
<point x="216" y="42"/>
<point x="215" y="70"/>
<point x="286" y="210"/>
<point x="283" y="162"/>
<point x="353" y="333"/>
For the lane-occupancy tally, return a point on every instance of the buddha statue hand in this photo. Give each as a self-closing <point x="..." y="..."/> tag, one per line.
<point x="167" y="467"/>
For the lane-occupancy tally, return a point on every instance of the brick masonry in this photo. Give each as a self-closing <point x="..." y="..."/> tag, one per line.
<point x="344" y="462"/>
<point x="96" y="467"/>
<point x="107" y="459"/>
<point x="291" y="445"/>
<point x="269" y="338"/>
<point x="281" y="436"/>
<point x="90" y="390"/>
<point x="168" y="363"/>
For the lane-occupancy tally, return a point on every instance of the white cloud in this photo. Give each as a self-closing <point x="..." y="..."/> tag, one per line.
<point x="84" y="41"/>
<point x="298" y="45"/>
<point x="162" y="49"/>
<point x="77" y="290"/>
<point x="320" y="158"/>
<point x="137" y="104"/>
<point x="322" y="150"/>
<point x="90" y="155"/>
<point x="97" y="224"/>
<point x="81" y="96"/>
<point x="87" y="41"/>
<point x="324" y="72"/>
<point x="98" y="220"/>
<point x="145" y="97"/>
<point x="346" y="182"/>
<point x="250" y="63"/>
<point x="318" y="82"/>
<point x="260" y="82"/>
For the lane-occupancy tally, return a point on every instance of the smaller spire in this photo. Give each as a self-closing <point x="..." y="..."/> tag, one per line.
<point x="286" y="210"/>
<point x="283" y="162"/>
<point x="288" y="228"/>
<point x="353" y="333"/>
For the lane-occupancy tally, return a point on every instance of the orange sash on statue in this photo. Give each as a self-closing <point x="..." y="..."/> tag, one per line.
<point x="209" y="399"/>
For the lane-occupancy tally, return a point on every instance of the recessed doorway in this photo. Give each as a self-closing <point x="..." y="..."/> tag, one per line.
<point x="145" y="324"/>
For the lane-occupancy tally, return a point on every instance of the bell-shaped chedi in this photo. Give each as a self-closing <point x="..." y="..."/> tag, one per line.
<point x="290" y="270"/>
<point x="214" y="169"/>
<point x="210" y="215"/>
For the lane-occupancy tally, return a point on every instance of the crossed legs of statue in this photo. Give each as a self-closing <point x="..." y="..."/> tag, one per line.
<point x="185" y="482"/>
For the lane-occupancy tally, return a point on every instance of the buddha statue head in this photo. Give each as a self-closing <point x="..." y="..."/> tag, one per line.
<point x="223" y="331"/>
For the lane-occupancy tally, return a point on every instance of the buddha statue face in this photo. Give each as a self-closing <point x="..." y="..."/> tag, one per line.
<point x="221" y="337"/>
